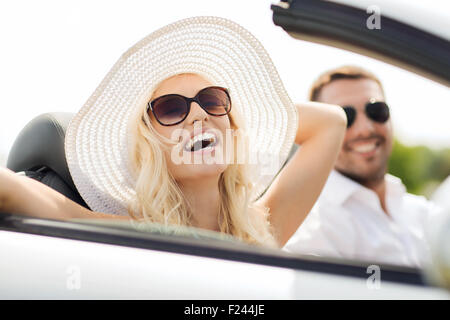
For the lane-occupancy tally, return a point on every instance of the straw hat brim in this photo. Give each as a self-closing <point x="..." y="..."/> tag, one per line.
<point x="98" y="137"/>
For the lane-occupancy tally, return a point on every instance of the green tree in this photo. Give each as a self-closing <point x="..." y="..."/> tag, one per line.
<point x="420" y="168"/>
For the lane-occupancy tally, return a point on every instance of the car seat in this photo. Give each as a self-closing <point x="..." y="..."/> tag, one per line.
<point x="38" y="152"/>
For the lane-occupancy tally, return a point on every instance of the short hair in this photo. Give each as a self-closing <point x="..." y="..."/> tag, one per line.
<point x="343" y="72"/>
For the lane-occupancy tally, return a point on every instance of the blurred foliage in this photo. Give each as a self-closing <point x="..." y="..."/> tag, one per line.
<point x="421" y="169"/>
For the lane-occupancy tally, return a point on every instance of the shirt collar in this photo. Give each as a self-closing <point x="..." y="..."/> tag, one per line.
<point x="394" y="185"/>
<point x="339" y="188"/>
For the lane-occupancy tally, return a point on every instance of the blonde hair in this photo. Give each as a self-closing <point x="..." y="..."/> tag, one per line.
<point x="160" y="200"/>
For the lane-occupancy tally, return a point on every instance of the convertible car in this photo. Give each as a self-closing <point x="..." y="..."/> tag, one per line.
<point x="87" y="259"/>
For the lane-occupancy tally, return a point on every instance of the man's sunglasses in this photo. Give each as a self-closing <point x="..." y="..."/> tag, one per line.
<point x="377" y="111"/>
<point x="172" y="109"/>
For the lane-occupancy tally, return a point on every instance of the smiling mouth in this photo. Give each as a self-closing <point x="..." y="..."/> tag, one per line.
<point x="364" y="148"/>
<point x="200" y="142"/>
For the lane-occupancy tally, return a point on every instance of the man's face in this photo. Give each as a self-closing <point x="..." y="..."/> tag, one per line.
<point x="367" y="144"/>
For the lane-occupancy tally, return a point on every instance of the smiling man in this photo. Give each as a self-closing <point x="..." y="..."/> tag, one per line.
<point x="364" y="213"/>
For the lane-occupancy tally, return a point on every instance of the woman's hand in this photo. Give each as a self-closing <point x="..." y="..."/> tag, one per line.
<point x="293" y="193"/>
<point x="29" y="197"/>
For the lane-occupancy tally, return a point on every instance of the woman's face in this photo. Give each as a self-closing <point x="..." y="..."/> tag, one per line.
<point x="182" y="162"/>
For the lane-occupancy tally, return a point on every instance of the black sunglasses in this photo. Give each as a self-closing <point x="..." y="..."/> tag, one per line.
<point x="172" y="109"/>
<point x="377" y="111"/>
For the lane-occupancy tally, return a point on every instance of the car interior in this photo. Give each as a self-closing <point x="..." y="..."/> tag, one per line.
<point x="38" y="152"/>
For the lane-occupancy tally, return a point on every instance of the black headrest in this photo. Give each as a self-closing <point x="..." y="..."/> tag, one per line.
<point x="41" y="144"/>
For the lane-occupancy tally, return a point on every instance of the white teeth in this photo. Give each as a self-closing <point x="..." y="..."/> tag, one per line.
<point x="200" y="137"/>
<point x="365" y="147"/>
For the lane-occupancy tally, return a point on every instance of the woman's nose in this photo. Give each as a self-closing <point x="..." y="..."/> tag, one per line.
<point x="196" y="114"/>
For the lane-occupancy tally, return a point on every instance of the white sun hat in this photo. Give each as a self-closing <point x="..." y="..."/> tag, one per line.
<point x="98" y="138"/>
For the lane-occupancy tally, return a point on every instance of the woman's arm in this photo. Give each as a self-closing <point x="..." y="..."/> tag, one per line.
<point x="293" y="193"/>
<point x="29" y="197"/>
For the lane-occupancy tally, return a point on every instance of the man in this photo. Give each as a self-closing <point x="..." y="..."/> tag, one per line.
<point x="363" y="213"/>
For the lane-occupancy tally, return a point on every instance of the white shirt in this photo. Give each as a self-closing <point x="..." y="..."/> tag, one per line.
<point x="348" y="222"/>
<point x="441" y="194"/>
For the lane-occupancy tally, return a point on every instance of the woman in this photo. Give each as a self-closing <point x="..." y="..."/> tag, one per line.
<point x="151" y="142"/>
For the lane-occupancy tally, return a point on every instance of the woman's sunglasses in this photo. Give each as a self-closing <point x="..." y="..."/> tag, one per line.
<point x="377" y="111"/>
<point x="172" y="109"/>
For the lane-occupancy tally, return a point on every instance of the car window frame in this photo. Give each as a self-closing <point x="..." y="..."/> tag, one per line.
<point x="344" y="27"/>
<point x="209" y="248"/>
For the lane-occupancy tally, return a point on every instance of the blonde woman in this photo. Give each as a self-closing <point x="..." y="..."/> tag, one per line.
<point x="190" y="127"/>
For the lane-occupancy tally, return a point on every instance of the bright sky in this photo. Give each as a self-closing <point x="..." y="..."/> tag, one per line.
<point x="55" y="53"/>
